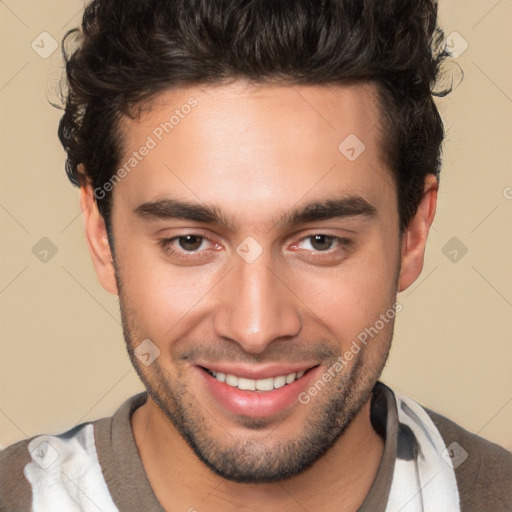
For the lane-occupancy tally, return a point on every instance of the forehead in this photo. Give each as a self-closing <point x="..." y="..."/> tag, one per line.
<point x="263" y="143"/>
<point x="247" y="108"/>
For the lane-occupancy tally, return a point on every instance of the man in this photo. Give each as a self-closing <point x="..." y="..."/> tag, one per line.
<point x="257" y="182"/>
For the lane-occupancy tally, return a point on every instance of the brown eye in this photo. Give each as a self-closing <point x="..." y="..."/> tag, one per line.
<point x="190" y="242"/>
<point x="323" y="249"/>
<point x="321" y="242"/>
<point x="190" y="249"/>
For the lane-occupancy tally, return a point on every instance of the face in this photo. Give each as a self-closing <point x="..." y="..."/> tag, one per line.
<point x="252" y="252"/>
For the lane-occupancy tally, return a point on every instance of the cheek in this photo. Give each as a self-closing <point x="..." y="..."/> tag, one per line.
<point x="351" y="298"/>
<point x="163" y="297"/>
<point x="169" y="302"/>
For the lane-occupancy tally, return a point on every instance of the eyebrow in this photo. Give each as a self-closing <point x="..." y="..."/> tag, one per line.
<point x="335" y="208"/>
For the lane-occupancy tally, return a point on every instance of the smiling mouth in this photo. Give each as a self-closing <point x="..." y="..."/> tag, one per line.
<point x="262" y="385"/>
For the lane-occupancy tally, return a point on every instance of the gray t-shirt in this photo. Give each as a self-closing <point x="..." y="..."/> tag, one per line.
<point x="429" y="464"/>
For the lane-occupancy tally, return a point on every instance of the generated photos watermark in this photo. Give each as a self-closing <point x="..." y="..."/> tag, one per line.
<point x="356" y="346"/>
<point x="152" y="141"/>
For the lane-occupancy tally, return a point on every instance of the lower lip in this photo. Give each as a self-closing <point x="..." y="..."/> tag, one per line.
<point x="256" y="404"/>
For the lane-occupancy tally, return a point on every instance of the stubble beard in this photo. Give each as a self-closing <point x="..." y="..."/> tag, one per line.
<point x="258" y="458"/>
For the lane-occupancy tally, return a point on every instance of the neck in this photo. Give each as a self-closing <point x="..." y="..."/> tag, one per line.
<point x="181" y="481"/>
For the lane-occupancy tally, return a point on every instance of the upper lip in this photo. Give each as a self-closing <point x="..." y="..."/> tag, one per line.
<point x="263" y="371"/>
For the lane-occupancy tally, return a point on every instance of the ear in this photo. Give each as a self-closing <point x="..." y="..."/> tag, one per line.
<point x="414" y="238"/>
<point x="97" y="239"/>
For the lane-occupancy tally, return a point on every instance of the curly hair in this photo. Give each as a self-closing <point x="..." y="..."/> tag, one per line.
<point x="128" y="51"/>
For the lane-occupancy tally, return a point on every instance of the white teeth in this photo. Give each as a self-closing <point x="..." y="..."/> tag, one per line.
<point x="257" y="385"/>
<point x="231" y="380"/>
<point x="280" y="381"/>
<point x="290" y="378"/>
<point x="265" y="384"/>
<point x="246" y="384"/>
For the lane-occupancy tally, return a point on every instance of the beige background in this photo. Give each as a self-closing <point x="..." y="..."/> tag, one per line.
<point x="62" y="353"/>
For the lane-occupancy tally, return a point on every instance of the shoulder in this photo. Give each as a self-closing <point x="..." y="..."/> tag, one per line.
<point x="39" y="469"/>
<point x="15" y="493"/>
<point x="483" y="469"/>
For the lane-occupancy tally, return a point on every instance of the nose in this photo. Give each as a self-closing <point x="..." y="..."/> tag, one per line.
<point x="256" y="306"/>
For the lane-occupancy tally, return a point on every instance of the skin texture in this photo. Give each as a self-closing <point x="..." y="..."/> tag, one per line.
<point x="256" y="153"/>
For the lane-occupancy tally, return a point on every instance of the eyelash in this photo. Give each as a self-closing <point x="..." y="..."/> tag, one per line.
<point x="167" y="245"/>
